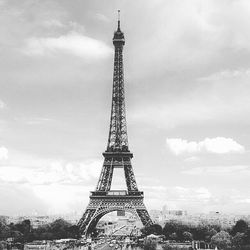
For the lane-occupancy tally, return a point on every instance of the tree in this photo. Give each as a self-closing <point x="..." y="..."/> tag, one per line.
<point x="73" y="232"/>
<point x="3" y="245"/>
<point x="18" y="236"/>
<point x="210" y="234"/>
<point x="167" y="246"/>
<point x="4" y="231"/>
<point x="247" y="236"/>
<point x="200" y="232"/>
<point x="149" y="244"/>
<point x="59" y="228"/>
<point x="152" y="229"/>
<point x="26" y="226"/>
<point x="156" y="229"/>
<point x="238" y="239"/>
<point x="173" y="236"/>
<point x="241" y="226"/>
<point x="187" y="236"/>
<point x="170" y="228"/>
<point x="222" y="240"/>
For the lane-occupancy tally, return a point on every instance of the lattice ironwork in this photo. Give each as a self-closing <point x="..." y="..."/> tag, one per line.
<point x="97" y="208"/>
<point x="118" y="138"/>
<point x="117" y="155"/>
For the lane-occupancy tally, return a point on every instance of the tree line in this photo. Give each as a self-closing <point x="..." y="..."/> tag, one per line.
<point x="237" y="237"/>
<point x="24" y="232"/>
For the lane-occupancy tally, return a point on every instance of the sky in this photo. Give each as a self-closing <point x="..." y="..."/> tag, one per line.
<point x="187" y="83"/>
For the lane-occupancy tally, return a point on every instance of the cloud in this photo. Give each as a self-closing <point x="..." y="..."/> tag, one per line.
<point x="2" y="104"/>
<point x="188" y="93"/>
<point x="50" y="23"/>
<point x="218" y="170"/>
<point x="52" y="172"/>
<point x="35" y="120"/>
<point x="218" y="145"/>
<point x="177" y="197"/>
<point x="51" y="186"/>
<point x="178" y="44"/>
<point x="3" y="153"/>
<point x="220" y="98"/>
<point x="16" y="199"/>
<point x="245" y="200"/>
<point x="198" y="199"/>
<point x="63" y="198"/>
<point x="227" y="75"/>
<point x="192" y="159"/>
<point x="72" y="43"/>
<point x="102" y="17"/>
<point x="177" y="193"/>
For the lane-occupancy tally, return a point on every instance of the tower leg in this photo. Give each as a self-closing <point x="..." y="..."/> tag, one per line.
<point x="86" y="219"/>
<point x="130" y="178"/>
<point x="105" y="179"/>
<point x="144" y="216"/>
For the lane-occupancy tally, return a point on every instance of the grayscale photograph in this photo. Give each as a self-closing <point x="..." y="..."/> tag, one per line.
<point x="124" y="124"/>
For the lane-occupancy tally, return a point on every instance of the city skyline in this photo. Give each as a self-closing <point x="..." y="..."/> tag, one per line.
<point x="187" y="100"/>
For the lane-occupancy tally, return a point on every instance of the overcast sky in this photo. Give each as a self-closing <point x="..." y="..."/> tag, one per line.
<point x="187" y="81"/>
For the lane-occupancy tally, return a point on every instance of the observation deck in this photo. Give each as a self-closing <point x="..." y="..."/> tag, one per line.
<point x="116" y="193"/>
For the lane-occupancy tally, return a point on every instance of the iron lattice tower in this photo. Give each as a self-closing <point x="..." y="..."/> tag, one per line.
<point x="117" y="155"/>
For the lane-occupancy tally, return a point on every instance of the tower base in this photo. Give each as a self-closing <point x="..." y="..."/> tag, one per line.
<point x="102" y="203"/>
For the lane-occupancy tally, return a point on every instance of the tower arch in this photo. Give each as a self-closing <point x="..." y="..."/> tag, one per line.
<point x="96" y="218"/>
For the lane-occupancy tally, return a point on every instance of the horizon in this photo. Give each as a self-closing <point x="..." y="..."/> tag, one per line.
<point x="187" y="73"/>
<point x="78" y="213"/>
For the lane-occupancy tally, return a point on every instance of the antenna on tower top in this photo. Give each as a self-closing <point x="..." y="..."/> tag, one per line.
<point x="118" y="20"/>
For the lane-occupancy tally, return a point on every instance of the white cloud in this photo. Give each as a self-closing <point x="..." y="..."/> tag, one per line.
<point x="3" y="153"/>
<point x="211" y="101"/>
<point x="199" y="193"/>
<point x="51" y="173"/>
<point x="102" y="17"/>
<point x="192" y="159"/>
<point x="177" y="197"/>
<point x="72" y="43"/>
<point x="62" y="198"/>
<point x="177" y="193"/>
<point x="226" y="75"/>
<point x="19" y="200"/>
<point x="34" y="120"/>
<point x="218" y="145"/>
<point x="2" y="104"/>
<point x="49" y="23"/>
<point x="245" y="200"/>
<point x="55" y="184"/>
<point x="218" y="170"/>
<point x="198" y="199"/>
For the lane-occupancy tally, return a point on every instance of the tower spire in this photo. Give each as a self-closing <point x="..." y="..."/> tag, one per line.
<point x="118" y="29"/>
<point x="118" y="138"/>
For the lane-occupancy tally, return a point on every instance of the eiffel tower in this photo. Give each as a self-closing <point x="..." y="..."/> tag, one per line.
<point x="117" y="155"/>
